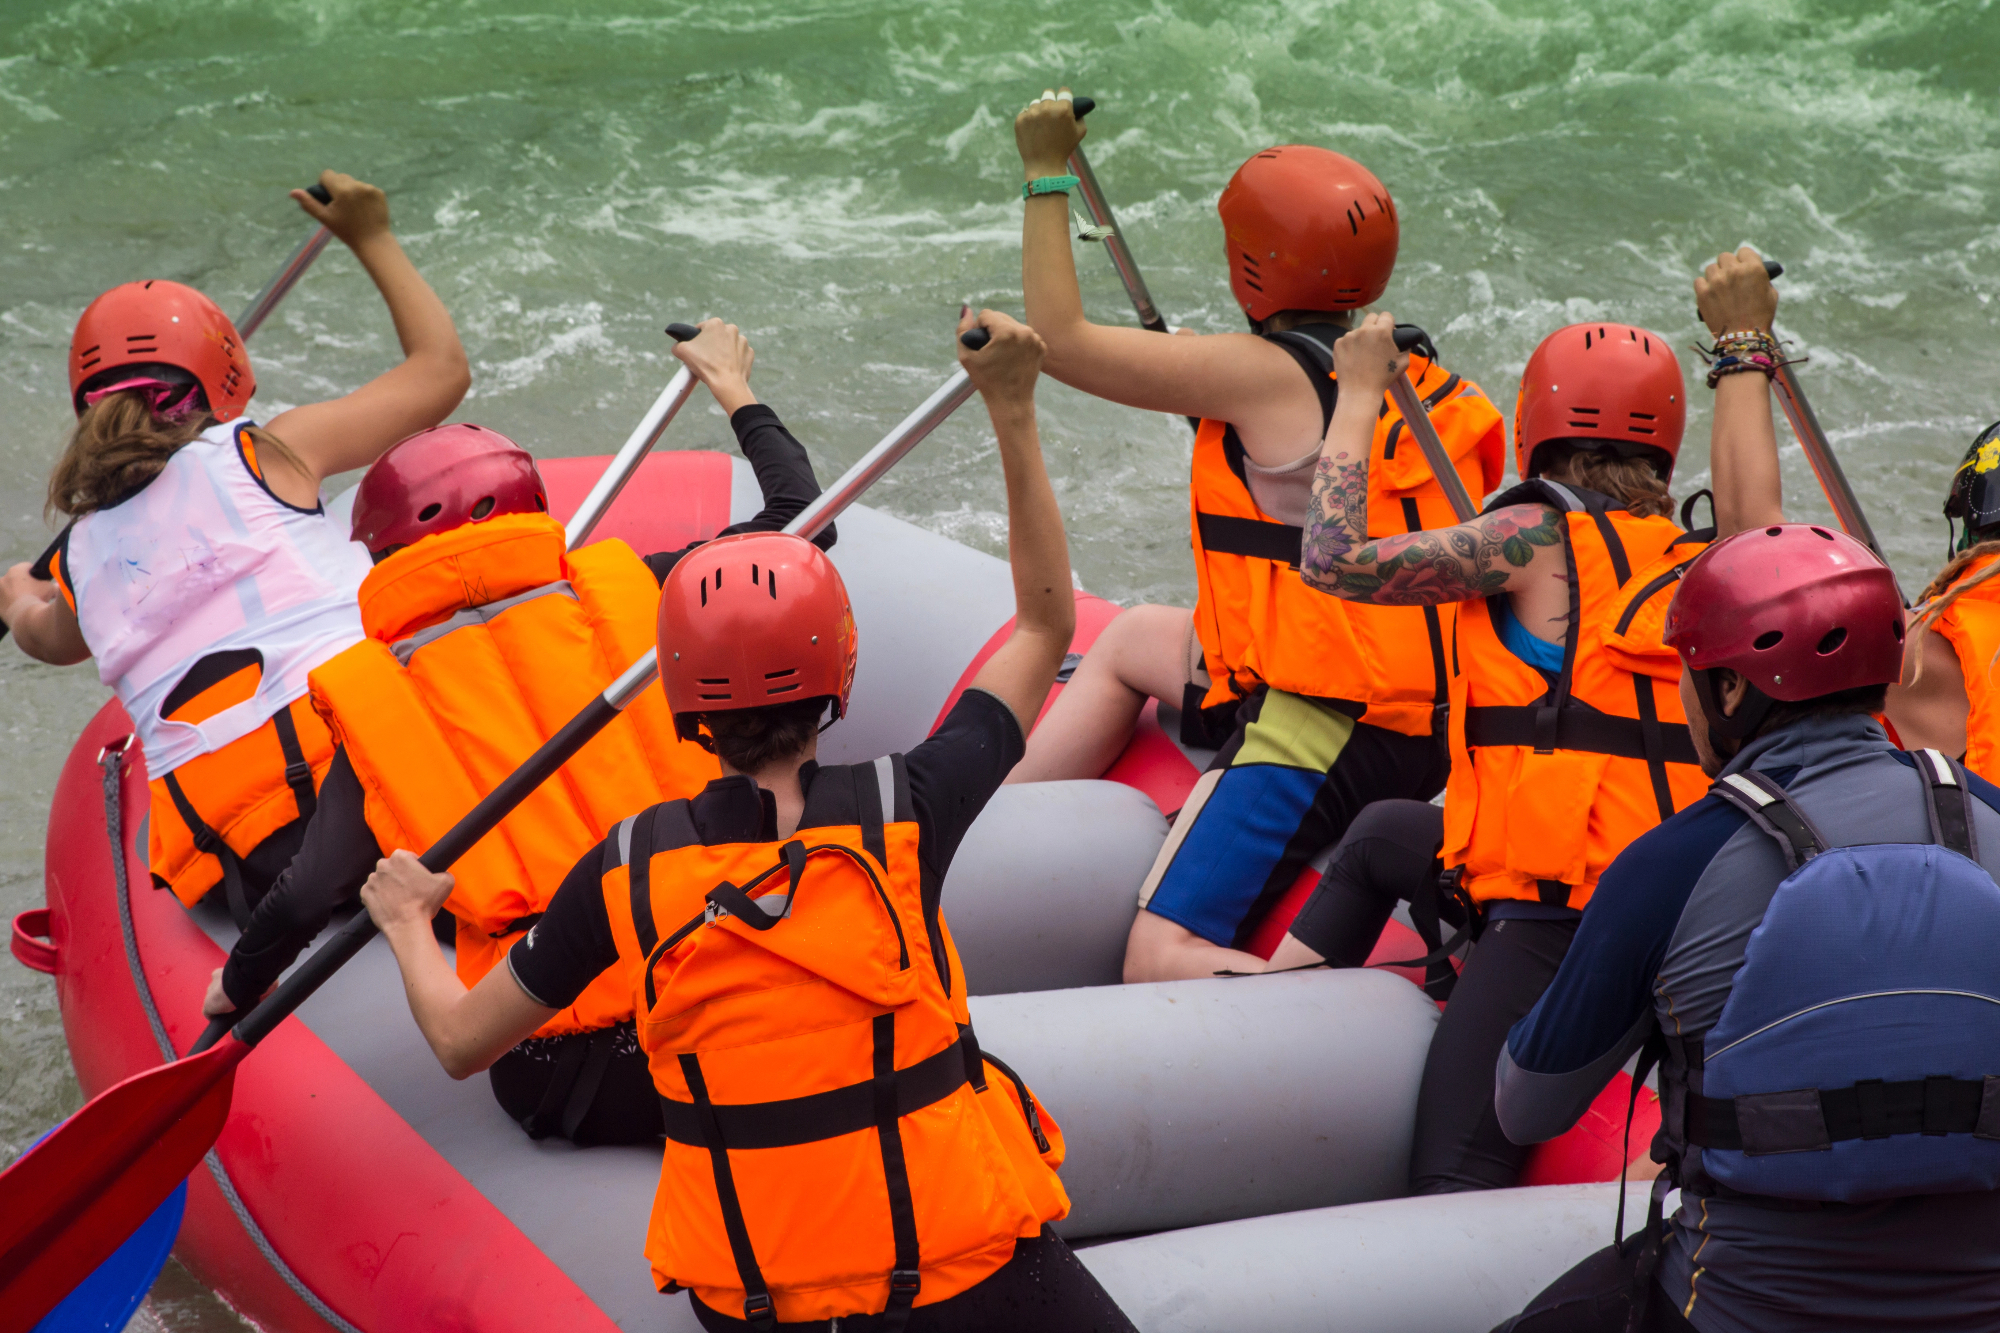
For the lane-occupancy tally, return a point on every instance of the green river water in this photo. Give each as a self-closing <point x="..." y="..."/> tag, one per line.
<point x="836" y="175"/>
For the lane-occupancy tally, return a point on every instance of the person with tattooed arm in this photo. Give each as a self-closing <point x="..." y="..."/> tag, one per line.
<point x="1567" y="735"/>
<point x="1317" y="706"/>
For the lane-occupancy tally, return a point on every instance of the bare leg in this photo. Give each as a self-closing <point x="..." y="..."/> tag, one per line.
<point x="1163" y="950"/>
<point x="1293" y="952"/>
<point x="1145" y="653"/>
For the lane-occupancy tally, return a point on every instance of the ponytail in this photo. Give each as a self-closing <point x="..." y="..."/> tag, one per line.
<point x="1945" y="589"/>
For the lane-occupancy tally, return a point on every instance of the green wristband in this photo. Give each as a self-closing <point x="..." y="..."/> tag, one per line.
<point x="1048" y="185"/>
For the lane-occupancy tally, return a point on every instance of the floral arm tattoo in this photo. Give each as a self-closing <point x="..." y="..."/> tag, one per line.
<point x="1452" y="564"/>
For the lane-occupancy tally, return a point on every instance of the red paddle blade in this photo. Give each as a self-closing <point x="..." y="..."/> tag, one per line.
<point x="75" y="1197"/>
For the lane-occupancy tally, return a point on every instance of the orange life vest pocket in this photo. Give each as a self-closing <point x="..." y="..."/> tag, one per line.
<point x="1548" y="813"/>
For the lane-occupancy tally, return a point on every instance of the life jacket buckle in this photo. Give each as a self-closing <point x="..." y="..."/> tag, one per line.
<point x="757" y="1310"/>
<point x="905" y="1280"/>
<point x="297" y="773"/>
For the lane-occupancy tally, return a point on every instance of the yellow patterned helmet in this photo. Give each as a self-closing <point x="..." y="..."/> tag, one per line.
<point x="1975" y="488"/>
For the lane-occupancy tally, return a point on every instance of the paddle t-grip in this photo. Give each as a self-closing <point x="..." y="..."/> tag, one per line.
<point x="321" y="193"/>
<point x="1082" y="106"/>
<point x="974" y="339"/>
<point x="681" y="333"/>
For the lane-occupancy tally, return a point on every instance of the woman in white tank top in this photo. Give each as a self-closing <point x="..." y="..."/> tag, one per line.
<point x="201" y="568"/>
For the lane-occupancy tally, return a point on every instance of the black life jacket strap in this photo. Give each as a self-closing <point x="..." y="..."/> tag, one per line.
<point x="1440" y="977"/>
<point x="792" y="1121"/>
<point x="905" y="1279"/>
<point x="757" y="1307"/>
<point x="1814" y="1119"/>
<point x="1252" y="538"/>
<point x="208" y="840"/>
<point x="573" y="1084"/>
<point x="1576" y="727"/>
<point x="298" y="773"/>
<point x="1028" y="1109"/>
<point x="1771" y="810"/>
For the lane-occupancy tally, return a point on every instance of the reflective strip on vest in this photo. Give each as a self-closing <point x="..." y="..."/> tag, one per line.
<point x="1551" y="780"/>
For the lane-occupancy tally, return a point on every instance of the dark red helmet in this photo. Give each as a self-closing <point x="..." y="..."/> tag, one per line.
<point x="440" y="479"/>
<point x="143" y="328"/>
<point x="1798" y="610"/>
<point x="1306" y="229"/>
<point x="752" y="620"/>
<point x="1608" y="386"/>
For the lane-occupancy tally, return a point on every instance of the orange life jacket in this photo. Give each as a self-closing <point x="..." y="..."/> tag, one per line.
<point x="837" y="1144"/>
<point x="215" y="809"/>
<point x="1972" y="626"/>
<point x="1549" y="783"/>
<point x="482" y="642"/>
<point x="1261" y="625"/>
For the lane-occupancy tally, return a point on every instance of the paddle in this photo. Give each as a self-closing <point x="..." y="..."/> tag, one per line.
<point x="267" y="301"/>
<point x="70" y="1201"/>
<point x="637" y="445"/>
<point x="1411" y="338"/>
<point x="1114" y="239"/>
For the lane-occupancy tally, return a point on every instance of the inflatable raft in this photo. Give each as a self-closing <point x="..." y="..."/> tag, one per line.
<point x="358" y="1187"/>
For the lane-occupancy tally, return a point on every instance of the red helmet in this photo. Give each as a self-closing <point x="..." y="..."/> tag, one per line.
<point x="1306" y="229"/>
<point x="1612" y="386"/>
<point x="440" y="479"/>
<point x="159" y="323"/>
<point x="1799" y="610"/>
<point x="752" y="620"/>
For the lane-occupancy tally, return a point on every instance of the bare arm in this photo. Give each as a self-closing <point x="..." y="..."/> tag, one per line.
<point x="1735" y="295"/>
<point x="1497" y="552"/>
<point x="467" y="1029"/>
<point x="41" y="620"/>
<point x="344" y="433"/>
<point x="1023" y="670"/>
<point x="1233" y="377"/>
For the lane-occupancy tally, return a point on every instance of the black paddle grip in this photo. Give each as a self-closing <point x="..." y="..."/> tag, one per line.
<point x="1082" y="106"/>
<point x="975" y="338"/>
<point x="1410" y="338"/>
<point x="320" y="192"/>
<point x="681" y="333"/>
<point x="1772" y="270"/>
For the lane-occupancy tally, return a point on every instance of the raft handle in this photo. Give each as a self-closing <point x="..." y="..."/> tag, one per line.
<point x="31" y="942"/>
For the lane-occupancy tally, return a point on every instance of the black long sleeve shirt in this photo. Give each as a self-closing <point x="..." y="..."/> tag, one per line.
<point x="339" y="850"/>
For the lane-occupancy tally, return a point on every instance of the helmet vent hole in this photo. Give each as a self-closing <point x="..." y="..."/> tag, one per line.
<point x="704" y="592"/>
<point x="483" y="508"/>
<point x="753" y="576"/>
<point x="1768" y="640"/>
<point x="1773" y="532"/>
<point x="1831" y="641"/>
<point x="780" y="675"/>
<point x="1823" y="534"/>
<point x="1352" y="225"/>
<point x="541" y="503"/>
<point x="711" y="680"/>
<point x="782" y="689"/>
<point x="771" y="584"/>
<point x="1586" y="340"/>
<point x="429" y="512"/>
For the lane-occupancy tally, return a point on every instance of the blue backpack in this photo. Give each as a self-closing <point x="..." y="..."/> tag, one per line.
<point x="1856" y="1056"/>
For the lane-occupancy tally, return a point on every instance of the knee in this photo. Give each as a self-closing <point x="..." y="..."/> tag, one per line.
<point x="1416" y="824"/>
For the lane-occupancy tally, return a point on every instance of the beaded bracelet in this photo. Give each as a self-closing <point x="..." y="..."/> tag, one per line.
<point x="1740" y="352"/>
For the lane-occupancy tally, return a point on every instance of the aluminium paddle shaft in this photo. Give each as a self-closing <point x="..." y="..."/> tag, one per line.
<point x="351" y="938"/>
<point x="1114" y="240"/>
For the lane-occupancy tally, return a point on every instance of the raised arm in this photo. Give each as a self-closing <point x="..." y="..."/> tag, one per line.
<point x="1735" y="295"/>
<point x="341" y="434"/>
<point x="1500" y="551"/>
<point x="1024" y="669"/>
<point x="1232" y="377"/>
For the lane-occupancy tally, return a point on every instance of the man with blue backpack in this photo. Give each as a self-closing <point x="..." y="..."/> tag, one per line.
<point x="1808" y="952"/>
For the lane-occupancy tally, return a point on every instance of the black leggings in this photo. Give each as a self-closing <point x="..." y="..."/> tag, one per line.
<point x="1044" y="1287"/>
<point x="587" y="1087"/>
<point x="1596" y="1297"/>
<point x="1387" y="855"/>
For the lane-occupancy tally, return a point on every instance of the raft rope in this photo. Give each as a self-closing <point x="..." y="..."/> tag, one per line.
<point x="111" y="759"/>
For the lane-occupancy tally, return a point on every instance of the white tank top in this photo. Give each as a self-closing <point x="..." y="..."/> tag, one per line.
<point x="206" y="560"/>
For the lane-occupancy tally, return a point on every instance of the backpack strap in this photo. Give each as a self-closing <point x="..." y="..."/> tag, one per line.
<point x="1949" y="802"/>
<point x="1771" y="810"/>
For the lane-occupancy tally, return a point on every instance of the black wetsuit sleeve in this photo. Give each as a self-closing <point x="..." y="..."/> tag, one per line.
<point x="335" y="858"/>
<point x="784" y="474"/>
<point x="955" y="772"/>
<point x="572" y="943"/>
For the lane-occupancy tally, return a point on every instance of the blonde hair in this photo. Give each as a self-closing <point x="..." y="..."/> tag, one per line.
<point x="1630" y="481"/>
<point x="120" y="444"/>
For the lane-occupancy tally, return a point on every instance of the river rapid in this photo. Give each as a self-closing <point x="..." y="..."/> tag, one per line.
<point x="836" y="175"/>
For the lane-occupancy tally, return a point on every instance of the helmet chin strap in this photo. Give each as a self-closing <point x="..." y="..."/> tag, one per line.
<point x="1737" y="727"/>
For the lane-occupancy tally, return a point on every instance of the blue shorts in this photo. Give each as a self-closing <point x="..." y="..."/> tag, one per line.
<point x="1283" y="789"/>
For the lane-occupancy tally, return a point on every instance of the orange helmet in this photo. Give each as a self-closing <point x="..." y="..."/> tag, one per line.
<point x="1607" y="386"/>
<point x="1306" y="229"/>
<point x="157" y="323"/>
<point x="752" y="620"/>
